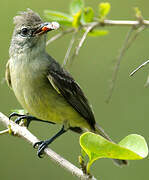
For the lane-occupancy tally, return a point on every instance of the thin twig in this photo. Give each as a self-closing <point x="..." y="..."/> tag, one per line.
<point x="4" y="131"/>
<point x="127" y="43"/>
<point x="59" y="35"/>
<point x="27" y="135"/>
<point x="69" y="48"/>
<point x="84" y="37"/>
<point x="141" y="66"/>
<point x="125" y="23"/>
<point x="88" y="29"/>
<point x="119" y="58"/>
<point x="133" y="38"/>
<point x="147" y="82"/>
<point x="82" y="40"/>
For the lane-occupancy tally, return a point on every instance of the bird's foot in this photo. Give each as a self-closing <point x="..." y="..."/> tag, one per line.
<point x="41" y="146"/>
<point x="22" y="117"/>
<point x="28" y="119"/>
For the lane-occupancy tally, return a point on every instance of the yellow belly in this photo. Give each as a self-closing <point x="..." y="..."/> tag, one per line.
<point x="40" y="99"/>
<point x="47" y="104"/>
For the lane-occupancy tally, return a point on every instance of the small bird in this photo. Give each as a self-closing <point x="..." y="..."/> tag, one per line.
<point x="44" y="89"/>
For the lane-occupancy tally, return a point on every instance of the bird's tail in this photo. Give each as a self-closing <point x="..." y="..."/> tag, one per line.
<point x="100" y="131"/>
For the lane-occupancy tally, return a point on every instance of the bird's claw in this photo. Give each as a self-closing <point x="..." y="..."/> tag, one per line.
<point x="17" y="121"/>
<point x="37" y="144"/>
<point x="21" y="117"/>
<point x="15" y="114"/>
<point x="41" y="146"/>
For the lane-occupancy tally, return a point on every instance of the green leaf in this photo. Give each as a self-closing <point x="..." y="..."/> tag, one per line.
<point x="135" y="143"/>
<point x="76" y="6"/>
<point x="60" y="17"/>
<point x="87" y="15"/>
<point x="138" y="13"/>
<point x="95" y="33"/>
<point x="76" y="19"/>
<point x="132" y="147"/>
<point x="104" y="9"/>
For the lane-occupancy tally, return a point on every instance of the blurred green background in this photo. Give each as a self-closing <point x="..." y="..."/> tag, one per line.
<point x="127" y="113"/>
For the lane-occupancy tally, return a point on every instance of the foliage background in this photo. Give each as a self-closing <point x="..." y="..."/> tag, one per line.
<point x="127" y="112"/>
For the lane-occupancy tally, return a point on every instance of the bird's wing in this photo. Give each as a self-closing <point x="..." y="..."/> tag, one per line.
<point x="7" y="75"/>
<point x="65" y="85"/>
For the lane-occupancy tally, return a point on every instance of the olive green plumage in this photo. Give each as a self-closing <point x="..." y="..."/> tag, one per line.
<point x="41" y="85"/>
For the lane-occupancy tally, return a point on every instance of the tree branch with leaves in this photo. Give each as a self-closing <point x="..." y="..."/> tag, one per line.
<point x="82" y="19"/>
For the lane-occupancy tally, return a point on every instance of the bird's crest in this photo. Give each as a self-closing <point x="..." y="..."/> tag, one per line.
<point x="28" y="18"/>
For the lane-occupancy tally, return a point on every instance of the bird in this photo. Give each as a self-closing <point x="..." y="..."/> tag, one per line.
<point x="42" y="86"/>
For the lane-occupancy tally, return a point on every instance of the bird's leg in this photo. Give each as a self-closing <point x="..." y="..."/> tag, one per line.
<point x="43" y="144"/>
<point x="27" y="117"/>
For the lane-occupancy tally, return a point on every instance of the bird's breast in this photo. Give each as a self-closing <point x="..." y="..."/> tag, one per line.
<point x="35" y="93"/>
<point x="27" y="81"/>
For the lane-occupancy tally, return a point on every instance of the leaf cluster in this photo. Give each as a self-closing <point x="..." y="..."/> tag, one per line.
<point x="80" y="15"/>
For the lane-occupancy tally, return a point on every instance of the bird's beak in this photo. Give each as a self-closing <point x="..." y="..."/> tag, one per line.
<point x="46" y="27"/>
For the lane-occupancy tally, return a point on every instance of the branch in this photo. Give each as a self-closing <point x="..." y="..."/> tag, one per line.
<point x="138" y="25"/>
<point x="88" y="29"/>
<point x="59" y="35"/>
<point x="69" y="48"/>
<point x="84" y="37"/>
<point x="117" y="65"/>
<point x="107" y="22"/>
<point x="4" y="131"/>
<point x="141" y="66"/>
<point x="23" y="132"/>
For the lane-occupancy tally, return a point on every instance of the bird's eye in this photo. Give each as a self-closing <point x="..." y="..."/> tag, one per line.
<point x="24" y="31"/>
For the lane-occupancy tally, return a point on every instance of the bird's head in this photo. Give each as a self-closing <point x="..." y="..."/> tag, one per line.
<point x="30" y="31"/>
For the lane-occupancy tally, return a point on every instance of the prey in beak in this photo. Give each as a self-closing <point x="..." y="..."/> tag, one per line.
<point x="46" y="27"/>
